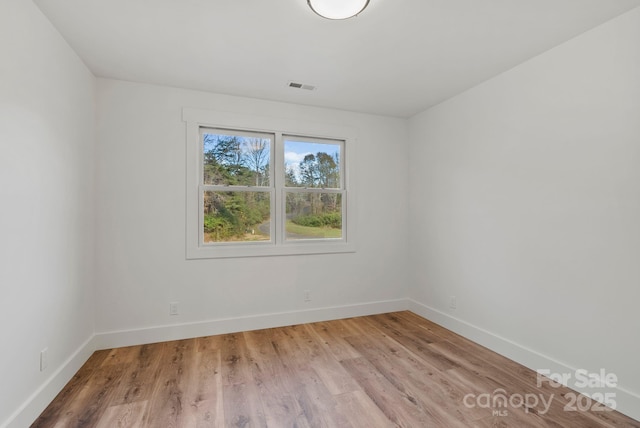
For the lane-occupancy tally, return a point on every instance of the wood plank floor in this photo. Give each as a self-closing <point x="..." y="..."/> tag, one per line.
<point x="386" y="370"/>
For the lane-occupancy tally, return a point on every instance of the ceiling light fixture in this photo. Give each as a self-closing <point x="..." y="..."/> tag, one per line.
<point x="337" y="9"/>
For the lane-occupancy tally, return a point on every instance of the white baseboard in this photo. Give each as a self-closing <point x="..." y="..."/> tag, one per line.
<point x="116" y="339"/>
<point x="28" y="412"/>
<point x="627" y="402"/>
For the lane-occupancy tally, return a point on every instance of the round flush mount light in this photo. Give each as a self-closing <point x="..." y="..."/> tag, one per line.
<point x="337" y="9"/>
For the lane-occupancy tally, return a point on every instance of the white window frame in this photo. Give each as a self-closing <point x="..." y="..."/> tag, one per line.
<point x="280" y="128"/>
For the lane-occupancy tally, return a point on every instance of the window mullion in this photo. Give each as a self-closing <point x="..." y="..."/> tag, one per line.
<point x="278" y="222"/>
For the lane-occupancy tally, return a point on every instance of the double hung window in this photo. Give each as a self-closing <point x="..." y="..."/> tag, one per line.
<point x="256" y="190"/>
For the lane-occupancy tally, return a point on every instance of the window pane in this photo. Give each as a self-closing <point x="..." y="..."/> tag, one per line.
<point x="236" y="160"/>
<point x="312" y="164"/>
<point x="236" y="216"/>
<point x="314" y="215"/>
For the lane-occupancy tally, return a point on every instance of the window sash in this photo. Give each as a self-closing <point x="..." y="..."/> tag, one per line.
<point x="343" y="214"/>
<point x="318" y="140"/>
<point x="211" y="188"/>
<point x="236" y="133"/>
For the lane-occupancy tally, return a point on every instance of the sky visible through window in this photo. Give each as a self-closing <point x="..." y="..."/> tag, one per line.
<point x="295" y="151"/>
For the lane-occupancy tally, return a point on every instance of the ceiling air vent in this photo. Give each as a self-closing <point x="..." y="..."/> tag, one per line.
<point x="301" y="86"/>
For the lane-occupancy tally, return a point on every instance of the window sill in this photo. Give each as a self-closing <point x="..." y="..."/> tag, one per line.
<point x="268" y="250"/>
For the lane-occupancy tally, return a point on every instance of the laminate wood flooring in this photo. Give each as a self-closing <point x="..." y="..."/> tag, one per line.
<point x="391" y="370"/>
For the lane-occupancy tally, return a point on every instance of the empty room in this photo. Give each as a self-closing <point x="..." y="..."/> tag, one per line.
<point x="320" y="213"/>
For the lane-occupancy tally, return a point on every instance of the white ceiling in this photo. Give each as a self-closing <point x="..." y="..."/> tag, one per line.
<point x="396" y="58"/>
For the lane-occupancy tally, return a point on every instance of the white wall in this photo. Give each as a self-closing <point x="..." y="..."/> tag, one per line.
<point x="46" y="215"/>
<point x="525" y="205"/>
<point x="141" y="220"/>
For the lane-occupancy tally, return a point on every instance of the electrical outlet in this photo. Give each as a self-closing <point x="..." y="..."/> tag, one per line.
<point x="173" y="308"/>
<point x="43" y="359"/>
<point x="307" y="295"/>
<point x="453" y="304"/>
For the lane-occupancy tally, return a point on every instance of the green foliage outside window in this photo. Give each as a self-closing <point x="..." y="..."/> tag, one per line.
<point x="333" y="220"/>
<point x="244" y="215"/>
<point x="236" y="161"/>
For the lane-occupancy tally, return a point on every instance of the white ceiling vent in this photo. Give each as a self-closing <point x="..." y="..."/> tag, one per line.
<point x="301" y="86"/>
